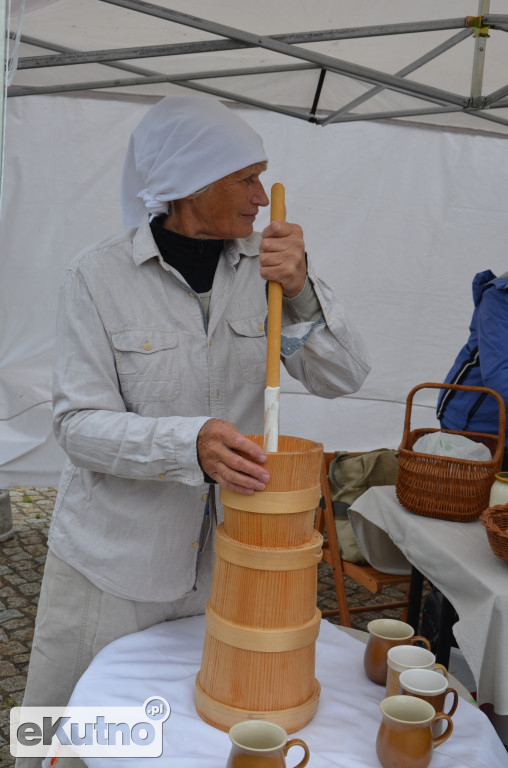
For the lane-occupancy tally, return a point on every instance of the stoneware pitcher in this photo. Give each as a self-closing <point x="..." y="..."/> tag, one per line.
<point x="383" y="635"/>
<point x="405" y="734"/>
<point x="261" y="744"/>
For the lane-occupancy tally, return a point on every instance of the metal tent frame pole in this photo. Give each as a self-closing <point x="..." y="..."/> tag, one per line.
<point x="478" y="103"/>
<point x="3" y="83"/>
<point x="434" y="53"/>
<point x="479" y="58"/>
<point x="213" y="46"/>
<point x="357" y="71"/>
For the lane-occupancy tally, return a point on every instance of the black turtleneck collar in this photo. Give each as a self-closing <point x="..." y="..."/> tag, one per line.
<point x="196" y="260"/>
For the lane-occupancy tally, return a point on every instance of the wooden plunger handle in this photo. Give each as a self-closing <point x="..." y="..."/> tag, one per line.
<point x="273" y="328"/>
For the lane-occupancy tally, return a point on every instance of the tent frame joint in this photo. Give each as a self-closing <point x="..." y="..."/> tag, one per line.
<point x="476" y="102"/>
<point x="476" y="23"/>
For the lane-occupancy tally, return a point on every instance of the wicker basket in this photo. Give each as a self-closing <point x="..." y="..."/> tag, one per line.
<point x="442" y="486"/>
<point x="495" y="520"/>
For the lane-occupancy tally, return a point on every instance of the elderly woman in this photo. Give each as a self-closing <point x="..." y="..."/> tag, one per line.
<point x="160" y="368"/>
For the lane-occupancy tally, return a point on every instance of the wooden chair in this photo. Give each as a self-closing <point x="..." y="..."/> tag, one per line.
<point x="375" y="581"/>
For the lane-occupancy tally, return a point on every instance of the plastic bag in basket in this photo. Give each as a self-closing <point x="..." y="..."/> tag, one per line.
<point x="456" y="446"/>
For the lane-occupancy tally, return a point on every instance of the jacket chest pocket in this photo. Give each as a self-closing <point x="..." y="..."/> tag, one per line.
<point x="250" y="346"/>
<point x="148" y="364"/>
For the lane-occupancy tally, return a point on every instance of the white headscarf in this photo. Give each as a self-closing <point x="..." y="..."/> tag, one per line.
<point x="182" y="144"/>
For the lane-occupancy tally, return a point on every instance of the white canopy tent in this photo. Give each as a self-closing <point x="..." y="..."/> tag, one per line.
<point x="399" y="212"/>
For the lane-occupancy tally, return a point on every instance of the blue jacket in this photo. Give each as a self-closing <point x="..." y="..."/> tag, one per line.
<point x="482" y="361"/>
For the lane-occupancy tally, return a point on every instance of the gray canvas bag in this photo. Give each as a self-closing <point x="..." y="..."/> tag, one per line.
<point x="349" y="476"/>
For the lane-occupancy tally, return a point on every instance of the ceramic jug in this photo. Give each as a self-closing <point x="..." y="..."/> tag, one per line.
<point x="499" y="490"/>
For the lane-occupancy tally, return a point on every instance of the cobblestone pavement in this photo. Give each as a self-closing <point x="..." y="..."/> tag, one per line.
<point x="22" y="560"/>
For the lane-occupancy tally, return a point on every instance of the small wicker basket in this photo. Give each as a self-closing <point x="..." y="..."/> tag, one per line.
<point x="442" y="486"/>
<point x="495" y="520"/>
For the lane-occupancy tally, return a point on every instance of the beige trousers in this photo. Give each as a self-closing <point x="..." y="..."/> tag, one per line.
<point x="75" y="620"/>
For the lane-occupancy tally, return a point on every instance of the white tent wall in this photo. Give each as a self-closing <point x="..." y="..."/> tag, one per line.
<point x="397" y="219"/>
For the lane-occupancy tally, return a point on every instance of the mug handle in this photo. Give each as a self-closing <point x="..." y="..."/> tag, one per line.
<point x="440" y="668"/>
<point x="303" y="745"/>
<point x="420" y="639"/>
<point x="449" y="728"/>
<point x="455" y="697"/>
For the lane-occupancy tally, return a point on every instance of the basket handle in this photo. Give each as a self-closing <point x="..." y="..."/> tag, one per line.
<point x="500" y="402"/>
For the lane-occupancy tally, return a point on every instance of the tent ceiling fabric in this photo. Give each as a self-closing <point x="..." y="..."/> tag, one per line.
<point x="438" y="63"/>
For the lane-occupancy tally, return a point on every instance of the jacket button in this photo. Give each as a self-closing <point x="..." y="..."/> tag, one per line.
<point x="195" y="544"/>
<point x="204" y="497"/>
<point x="162" y="476"/>
<point x="147" y="346"/>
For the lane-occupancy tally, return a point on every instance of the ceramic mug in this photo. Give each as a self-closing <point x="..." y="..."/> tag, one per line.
<point x="430" y="686"/>
<point x="405" y="735"/>
<point x="383" y="635"/>
<point x="405" y="657"/>
<point x="261" y="744"/>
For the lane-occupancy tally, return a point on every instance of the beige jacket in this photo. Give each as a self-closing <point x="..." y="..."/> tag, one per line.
<point x="138" y="370"/>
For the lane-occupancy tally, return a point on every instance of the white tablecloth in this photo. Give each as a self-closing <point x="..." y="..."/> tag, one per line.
<point x="456" y="558"/>
<point x="164" y="660"/>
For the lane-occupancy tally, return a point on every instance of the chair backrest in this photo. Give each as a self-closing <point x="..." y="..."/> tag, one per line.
<point x="375" y="581"/>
